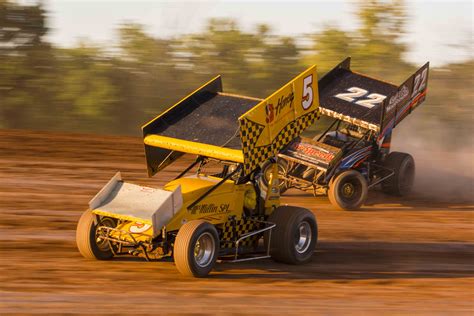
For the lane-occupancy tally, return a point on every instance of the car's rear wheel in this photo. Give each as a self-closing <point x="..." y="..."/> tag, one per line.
<point x="295" y="235"/>
<point x="348" y="190"/>
<point x="267" y="171"/>
<point x="90" y="239"/>
<point x="196" y="248"/>
<point x="403" y="166"/>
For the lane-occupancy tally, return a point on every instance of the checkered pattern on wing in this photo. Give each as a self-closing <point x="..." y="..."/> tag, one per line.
<point x="251" y="131"/>
<point x="292" y="130"/>
<point x="249" y="134"/>
<point x="231" y="233"/>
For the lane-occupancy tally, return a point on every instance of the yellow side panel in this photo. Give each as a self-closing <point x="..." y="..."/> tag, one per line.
<point x="195" y="148"/>
<point x="138" y="230"/>
<point x="278" y="119"/>
<point x="227" y="200"/>
<point x="122" y="217"/>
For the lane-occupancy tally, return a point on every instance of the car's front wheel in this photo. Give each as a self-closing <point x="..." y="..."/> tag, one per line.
<point x="348" y="190"/>
<point x="90" y="240"/>
<point x="196" y="248"/>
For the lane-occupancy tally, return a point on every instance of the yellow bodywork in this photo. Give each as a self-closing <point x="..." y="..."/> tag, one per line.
<point x="136" y="231"/>
<point x="206" y="150"/>
<point x="228" y="200"/>
<point x="275" y="121"/>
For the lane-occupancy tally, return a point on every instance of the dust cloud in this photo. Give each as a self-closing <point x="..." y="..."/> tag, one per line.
<point x="444" y="157"/>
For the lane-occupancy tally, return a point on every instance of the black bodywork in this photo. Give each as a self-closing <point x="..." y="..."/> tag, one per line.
<point x="365" y="111"/>
<point x="205" y="116"/>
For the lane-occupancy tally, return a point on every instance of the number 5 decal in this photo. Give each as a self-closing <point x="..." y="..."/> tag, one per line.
<point x="307" y="100"/>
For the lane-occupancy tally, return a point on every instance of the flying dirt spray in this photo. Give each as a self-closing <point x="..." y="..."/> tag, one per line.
<point x="444" y="156"/>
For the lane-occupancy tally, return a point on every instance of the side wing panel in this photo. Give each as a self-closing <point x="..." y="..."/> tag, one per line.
<point x="408" y="96"/>
<point x="274" y="122"/>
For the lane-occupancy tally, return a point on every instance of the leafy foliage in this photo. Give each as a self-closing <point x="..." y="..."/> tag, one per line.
<point x="90" y="89"/>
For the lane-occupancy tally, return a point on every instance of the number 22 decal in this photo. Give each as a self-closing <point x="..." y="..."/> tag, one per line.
<point x="420" y="82"/>
<point x="355" y="92"/>
<point x="307" y="100"/>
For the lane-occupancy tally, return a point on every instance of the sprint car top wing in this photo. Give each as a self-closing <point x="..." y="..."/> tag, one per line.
<point x="229" y="127"/>
<point x="203" y="123"/>
<point x="368" y="102"/>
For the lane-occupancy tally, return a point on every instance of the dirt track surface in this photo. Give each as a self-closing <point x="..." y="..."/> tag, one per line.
<point x="395" y="256"/>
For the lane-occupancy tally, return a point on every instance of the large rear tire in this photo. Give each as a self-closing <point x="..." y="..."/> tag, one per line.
<point x="196" y="248"/>
<point x="295" y="235"/>
<point x="88" y="241"/>
<point x="348" y="190"/>
<point x="267" y="170"/>
<point x="401" y="182"/>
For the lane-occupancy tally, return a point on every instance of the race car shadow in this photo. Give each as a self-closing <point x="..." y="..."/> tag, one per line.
<point x="380" y="202"/>
<point x="128" y="258"/>
<point x="345" y="261"/>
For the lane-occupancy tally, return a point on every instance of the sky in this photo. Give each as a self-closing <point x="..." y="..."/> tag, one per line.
<point x="438" y="31"/>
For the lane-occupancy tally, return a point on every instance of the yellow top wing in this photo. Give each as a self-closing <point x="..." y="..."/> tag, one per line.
<point x="195" y="148"/>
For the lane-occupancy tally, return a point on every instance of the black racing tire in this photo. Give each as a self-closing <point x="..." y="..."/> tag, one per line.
<point x="295" y="235"/>
<point x="401" y="183"/>
<point x="196" y="248"/>
<point x="266" y="171"/>
<point x="348" y="190"/>
<point x="87" y="240"/>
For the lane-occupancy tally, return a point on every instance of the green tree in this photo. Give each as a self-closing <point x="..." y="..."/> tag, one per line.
<point x="86" y="91"/>
<point x="378" y="43"/>
<point x="330" y="47"/>
<point x="148" y="75"/>
<point x="224" y="49"/>
<point x="376" y="46"/>
<point x="91" y="89"/>
<point x="26" y="66"/>
<point x="281" y="62"/>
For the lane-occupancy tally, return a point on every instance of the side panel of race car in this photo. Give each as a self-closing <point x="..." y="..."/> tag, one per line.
<point x="227" y="200"/>
<point x="408" y="96"/>
<point x="354" y="159"/>
<point x="269" y="126"/>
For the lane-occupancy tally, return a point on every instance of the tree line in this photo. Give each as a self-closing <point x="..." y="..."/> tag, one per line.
<point x="114" y="90"/>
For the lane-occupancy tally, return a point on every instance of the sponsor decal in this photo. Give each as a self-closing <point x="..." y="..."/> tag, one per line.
<point x="312" y="151"/>
<point x="397" y="98"/>
<point x="272" y="111"/>
<point x="285" y="101"/>
<point x="139" y="227"/>
<point x="210" y="208"/>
